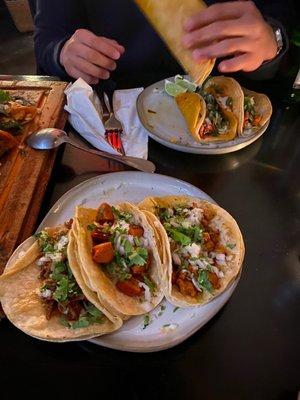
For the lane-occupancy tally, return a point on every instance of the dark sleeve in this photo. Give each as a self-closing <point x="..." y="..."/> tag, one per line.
<point x="55" y="23"/>
<point x="276" y="13"/>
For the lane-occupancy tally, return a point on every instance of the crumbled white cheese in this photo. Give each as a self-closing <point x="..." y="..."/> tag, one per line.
<point x="63" y="241"/>
<point x="194" y="216"/>
<point x="46" y="294"/>
<point x="43" y="260"/>
<point x="193" y="249"/>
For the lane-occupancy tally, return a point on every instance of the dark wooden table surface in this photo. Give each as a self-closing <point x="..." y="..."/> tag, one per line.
<point x="251" y="348"/>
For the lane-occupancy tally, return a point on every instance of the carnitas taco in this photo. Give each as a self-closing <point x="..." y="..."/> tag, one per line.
<point x="43" y="292"/>
<point x="251" y="109"/>
<point x="167" y="18"/>
<point x="203" y="247"/>
<point x="119" y="257"/>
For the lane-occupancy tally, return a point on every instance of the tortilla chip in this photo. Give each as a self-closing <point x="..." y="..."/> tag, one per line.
<point x="167" y="18"/>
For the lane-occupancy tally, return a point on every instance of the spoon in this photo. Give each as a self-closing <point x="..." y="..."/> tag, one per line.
<point x="51" y="138"/>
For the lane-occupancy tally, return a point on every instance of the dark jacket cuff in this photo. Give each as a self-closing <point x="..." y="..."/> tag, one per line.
<point x="269" y="68"/>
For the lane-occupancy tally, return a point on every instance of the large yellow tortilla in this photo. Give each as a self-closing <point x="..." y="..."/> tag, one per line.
<point x="167" y="18"/>
<point x="23" y="307"/>
<point x="99" y="281"/>
<point x="193" y="109"/>
<point x="230" y="232"/>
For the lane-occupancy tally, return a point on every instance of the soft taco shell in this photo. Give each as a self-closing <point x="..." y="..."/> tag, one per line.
<point x="229" y="232"/>
<point x="99" y="282"/>
<point x="193" y="108"/>
<point x="231" y="88"/>
<point x="263" y="106"/>
<point x="167" y="18"/>
<point x="22" y="305"/>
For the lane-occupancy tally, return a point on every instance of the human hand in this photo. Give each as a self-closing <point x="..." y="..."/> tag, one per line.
<point x="232" y="28"/>
<point x="89" y="56"/>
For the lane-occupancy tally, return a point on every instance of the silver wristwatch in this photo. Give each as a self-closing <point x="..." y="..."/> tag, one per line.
<point x="279" y="38"/>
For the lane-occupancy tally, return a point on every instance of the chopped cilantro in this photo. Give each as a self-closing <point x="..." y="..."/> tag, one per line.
<point x="150" y="284"/>
<point x="231" y="245"/>
<point x="126" y="216"/>
<point x="127" y="246"/>
<point x="162" y="309"/>
<point x="91" y="227"/>
<point x="204" y="282"/>
<point x="179" y="237"/>
<point x="91" y="316"/>
<point x="175" y="309"/>
<point x="138" y="257"/>
<point x="4" y="96"/>
<point x="146" y="321"/>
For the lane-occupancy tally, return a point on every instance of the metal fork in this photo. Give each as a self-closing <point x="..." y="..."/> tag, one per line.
<point x="113" y="127"/>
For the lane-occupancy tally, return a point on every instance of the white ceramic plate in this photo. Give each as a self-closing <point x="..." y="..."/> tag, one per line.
<point x="168" y="326"/>
<point x="166" y="125"/>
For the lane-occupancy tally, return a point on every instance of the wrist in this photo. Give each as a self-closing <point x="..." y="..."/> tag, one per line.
<point x="272" y="49"/>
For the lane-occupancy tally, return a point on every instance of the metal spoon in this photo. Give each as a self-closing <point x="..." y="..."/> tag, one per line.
<point x="51" y="138"/>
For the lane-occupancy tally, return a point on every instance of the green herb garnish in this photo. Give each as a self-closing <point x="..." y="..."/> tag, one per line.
<point x="204" y="282"/>
<point x="146" y="321"/>
<point x="150" y="284"/>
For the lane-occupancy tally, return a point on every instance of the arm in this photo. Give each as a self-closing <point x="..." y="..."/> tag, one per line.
<point x="55" y="22"/>
<point x="66" y="48"/>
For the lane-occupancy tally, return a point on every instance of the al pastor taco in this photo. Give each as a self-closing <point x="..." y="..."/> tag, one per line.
<point x="203" y="247"/>
<point x="119" y="257"/>
<point x="43" y="292"/>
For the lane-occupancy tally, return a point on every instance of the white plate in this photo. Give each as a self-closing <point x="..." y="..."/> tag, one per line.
<point x="167" y="126"/>
<point x="135" y="186"/>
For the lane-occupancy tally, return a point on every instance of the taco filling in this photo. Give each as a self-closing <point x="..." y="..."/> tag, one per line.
<point x="252" y="119"/>
<point x="215" y="123"/>
<point x="198" y="257"/>
<point x="59" y="291"/>
<point x="122" y="251"/>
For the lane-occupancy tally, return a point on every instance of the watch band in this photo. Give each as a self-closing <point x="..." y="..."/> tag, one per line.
<point x="278" y="37"/>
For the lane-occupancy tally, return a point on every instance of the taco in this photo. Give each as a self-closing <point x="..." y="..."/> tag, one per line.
<point x="119" y="258"/>
<point x="193" y="109"/>
<point x="257" y="111"/>
<point x="207" y="120"/>
<point x="251" y="109"/>
<point x="203" y="247"/>
<point x="43" y="292"/>
<point x="167" y="18"/>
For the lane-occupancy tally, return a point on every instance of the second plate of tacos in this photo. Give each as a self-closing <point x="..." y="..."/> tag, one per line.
<point x="119" y="258"/>
<point x="203" y="247"/>
<point x="252" y="110"/>
<point x="43" y="293"/>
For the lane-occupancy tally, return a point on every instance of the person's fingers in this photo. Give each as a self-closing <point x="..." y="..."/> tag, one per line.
<point x="76" y="73"/>
<point x="214" y="32"/>
<point x="114" y="43"/>
<point x="98" y="43"/>
<point x="94" y="57"/>
<point x="244" y="62"/>
<point x="216" y="12"/>
<point x="90" y="69"/>
<point x="222" y="49"/>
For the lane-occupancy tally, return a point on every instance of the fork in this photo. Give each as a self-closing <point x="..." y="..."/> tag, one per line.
<point x="112" y="127"/>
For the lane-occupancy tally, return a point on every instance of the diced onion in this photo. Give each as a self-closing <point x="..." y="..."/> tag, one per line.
<point x="147" y="291"/>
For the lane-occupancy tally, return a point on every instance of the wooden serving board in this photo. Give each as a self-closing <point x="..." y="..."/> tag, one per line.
<point x="24" y="172"/>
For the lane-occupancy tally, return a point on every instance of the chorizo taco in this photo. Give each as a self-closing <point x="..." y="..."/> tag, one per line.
<point x="43" y="292"/>
<point x="167" y="17"/>
<point x="251" y="109"/>
<point x="119" y="257"/>
<point x="203" y="247"/>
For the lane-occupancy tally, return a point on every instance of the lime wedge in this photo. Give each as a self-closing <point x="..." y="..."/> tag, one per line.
<point x="188" y="85"/>
<point x="172" y="89"/>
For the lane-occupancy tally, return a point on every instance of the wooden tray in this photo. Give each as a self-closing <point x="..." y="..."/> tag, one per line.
<point x="24" y="172"/>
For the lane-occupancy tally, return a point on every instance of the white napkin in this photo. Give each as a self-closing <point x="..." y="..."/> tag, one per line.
<point x="85" y="114"/>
